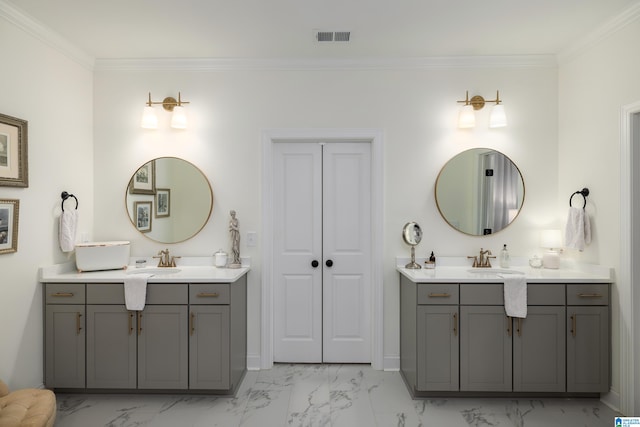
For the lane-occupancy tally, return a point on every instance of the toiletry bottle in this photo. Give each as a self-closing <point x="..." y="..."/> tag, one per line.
<point x="432" y="258"/>
<point x="504" y="257"/>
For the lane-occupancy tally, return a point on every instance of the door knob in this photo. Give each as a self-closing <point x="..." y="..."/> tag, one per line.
<point x="315" y="263"/>
<point x="329" y="263"/>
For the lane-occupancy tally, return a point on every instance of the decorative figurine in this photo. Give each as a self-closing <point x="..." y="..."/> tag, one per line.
<point x="234" y="230"/>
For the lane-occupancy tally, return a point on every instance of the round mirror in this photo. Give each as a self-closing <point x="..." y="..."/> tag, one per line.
<point x="169" y="200"/>
<point x="412" y="235"/>
<point x="479" y="191"/>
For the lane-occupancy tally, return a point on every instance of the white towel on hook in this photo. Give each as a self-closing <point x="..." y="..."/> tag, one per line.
<point x="135" y="291"/>
<point x="67" y="230"/>
<point x="515" y="295"/>
<point x="578" y="230"/>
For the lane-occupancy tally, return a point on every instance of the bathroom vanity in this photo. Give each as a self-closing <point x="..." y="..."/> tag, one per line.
<point x="456" y="339"/>
<point x="189" y="338"/>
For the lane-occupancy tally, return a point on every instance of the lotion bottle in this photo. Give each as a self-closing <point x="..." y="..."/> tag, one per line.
<point x="504" y="257"/>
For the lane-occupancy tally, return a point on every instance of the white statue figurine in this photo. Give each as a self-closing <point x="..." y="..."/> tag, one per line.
<point x="234" y="230"/>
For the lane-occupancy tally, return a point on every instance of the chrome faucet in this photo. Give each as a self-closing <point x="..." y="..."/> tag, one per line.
<point x="165" y="261"/>
<point x="483" y="260"/>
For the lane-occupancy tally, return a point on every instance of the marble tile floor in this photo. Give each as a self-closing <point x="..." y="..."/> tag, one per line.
<point x="324" y="396"/>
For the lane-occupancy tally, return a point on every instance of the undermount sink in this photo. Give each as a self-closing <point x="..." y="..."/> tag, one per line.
<point x="153" y="270"/>
<point x="481" y="270"/>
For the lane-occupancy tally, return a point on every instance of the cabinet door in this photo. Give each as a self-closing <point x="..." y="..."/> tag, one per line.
<point x="65" y="346"/>
<point x="438" y="348"/>
<point x="163" y="347"/>
<point x="587" y="349"/>
<point x="111" y="347"/>
<point x="539" y="350"/>
<point x="209" y="347"/>
<point x="485" y="349"/>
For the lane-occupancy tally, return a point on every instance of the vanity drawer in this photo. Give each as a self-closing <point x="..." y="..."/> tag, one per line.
<point x="167" y="293"/>
<point x="105" y="293"/>
<point x="209" y="293"/>
<point x="481" y="294"/>
<point x="588" y="294"/>
<point x="438" y="293"/>
<point x="64" y="293"/>
<point x="545" y="294"/>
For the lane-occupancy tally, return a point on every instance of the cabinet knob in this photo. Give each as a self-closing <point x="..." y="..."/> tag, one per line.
<point x="315" y="263"/>
<point x="329" y="263"/>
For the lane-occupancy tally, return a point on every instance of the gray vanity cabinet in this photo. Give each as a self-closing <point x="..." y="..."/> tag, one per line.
<point x="588" y="340"/>
<point x="64" y="335"/>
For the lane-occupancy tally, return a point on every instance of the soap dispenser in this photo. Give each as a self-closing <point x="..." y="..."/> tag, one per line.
<point x="504" y="257"/>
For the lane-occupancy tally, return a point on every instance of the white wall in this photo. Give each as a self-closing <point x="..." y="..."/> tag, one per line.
<point x="54" y="94"/>
<point x="415" y="108"/>
<point x="594" y="86"/>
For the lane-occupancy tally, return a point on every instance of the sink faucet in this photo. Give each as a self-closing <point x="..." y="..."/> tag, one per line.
<point x="165" y="261"/>
<point x="483" y="260"/>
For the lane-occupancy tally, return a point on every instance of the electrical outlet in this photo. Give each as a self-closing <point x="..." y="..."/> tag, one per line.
<point x="252" y="238"/>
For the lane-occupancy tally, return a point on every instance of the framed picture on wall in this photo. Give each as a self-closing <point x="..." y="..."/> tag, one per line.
<point x="144" y="180"/>
<point x="9" y="209"/>
<point x="14" y="166"/>
<point x="143" y="216"/>
<point x="163" y="202"/>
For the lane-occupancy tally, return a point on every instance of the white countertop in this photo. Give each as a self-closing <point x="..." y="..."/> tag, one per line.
<point x="465" y="274"/>
<point x="66" y="273"/>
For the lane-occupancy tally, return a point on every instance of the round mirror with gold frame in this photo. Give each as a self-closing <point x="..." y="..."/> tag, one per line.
<point x="479" y="191"/>
<point x="169" y="200"/>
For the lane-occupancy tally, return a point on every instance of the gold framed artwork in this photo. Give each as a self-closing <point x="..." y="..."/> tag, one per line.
<point x="163" y="202"/>
<point x="143" y="215"/>
<point x="14" y="165"/>
<point x="9" y="210"/>
<point x="144" y="180"/>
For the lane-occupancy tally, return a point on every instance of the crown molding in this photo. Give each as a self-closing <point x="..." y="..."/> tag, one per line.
<point x="605" y="30"/>
<point x="45" y="35"/>
<point x="226" y="64"/>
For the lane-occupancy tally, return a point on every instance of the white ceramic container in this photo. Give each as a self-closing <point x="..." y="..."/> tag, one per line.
<point x="92" y="256"/>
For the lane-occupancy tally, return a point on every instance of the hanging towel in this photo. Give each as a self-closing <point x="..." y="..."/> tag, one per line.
<point x="67" y="230"/>
<point x="135" y="291"/>
<point x="515" y="295"/>
<point x="578" y="230"/>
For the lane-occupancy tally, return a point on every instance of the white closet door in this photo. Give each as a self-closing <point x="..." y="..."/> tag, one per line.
<point x="322" y="252"/>
<point x="347" y="249"/>
<point x="297" y="287"/>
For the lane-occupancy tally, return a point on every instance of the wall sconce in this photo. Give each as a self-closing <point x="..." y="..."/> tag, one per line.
<point x="178" y="118"/>
<point x="552" y="241"/>
<point x="467" y="117"/>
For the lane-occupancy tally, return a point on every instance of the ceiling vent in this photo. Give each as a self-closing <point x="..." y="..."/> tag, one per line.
<point x="332" y="36"/>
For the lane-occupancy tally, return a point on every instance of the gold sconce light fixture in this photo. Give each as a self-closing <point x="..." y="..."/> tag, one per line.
<point x="178" y="116"/>
<point x="467" y="116"/>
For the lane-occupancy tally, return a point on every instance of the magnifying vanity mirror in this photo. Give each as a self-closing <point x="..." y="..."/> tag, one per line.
<point x="412" y="235"/>
<point x="479" y="191"/>
<point x="169" y="200"/>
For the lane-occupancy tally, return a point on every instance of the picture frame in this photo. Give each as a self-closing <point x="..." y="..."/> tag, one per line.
<point x="14" y="164"/>
<point x="144" y="215"/>
<point x="163" y="203"/>
<point x="144" y="180"/>
<point x="9" y="215"/>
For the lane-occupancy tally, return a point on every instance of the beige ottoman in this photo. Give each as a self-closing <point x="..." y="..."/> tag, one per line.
<point x="30" y="407"/>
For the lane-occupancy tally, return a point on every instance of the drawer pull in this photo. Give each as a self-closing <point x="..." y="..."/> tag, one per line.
<point x="208" y="295"/>
<point x="455" y="324"/>
<point x="78" y="323"/>
<point x="192" y="327"/>
<point x="590" y="295"/>
<point x="443" y="295"/>
<point x="62" y="294"/>
<point x="574" y="325"/>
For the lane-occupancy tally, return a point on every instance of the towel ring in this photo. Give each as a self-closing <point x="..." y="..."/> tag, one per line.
<point x="65" y="196"/>
<point x="584" y="193"/>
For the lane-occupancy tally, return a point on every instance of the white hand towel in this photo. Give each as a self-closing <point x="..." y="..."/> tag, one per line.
<point x="515" y="295"/>
<point x="67" y="230"/>
<point x="578" y="230"/>
<point x="135" y="291"/>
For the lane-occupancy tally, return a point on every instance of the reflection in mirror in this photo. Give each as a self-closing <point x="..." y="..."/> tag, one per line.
<point x="169" y="200"/>
<point x="479" y="191"/>
<point x="412" y="235"/>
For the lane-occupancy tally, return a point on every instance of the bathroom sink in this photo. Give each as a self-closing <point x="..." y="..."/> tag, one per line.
<point x="154" y="270"/>
<point x="494" y="271"/>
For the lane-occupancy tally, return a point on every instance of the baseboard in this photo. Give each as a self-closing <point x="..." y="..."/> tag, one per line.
<point x="612" y="400"/>
<point x="253" y="362"/>
<point x="391" y="363"/>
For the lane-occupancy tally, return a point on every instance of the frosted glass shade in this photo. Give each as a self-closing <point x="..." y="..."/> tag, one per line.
<point x="149" y="118"/>
<point x="466" y="117"/>
<point x="498" y="118"/>
<point x="179" y="118"/>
